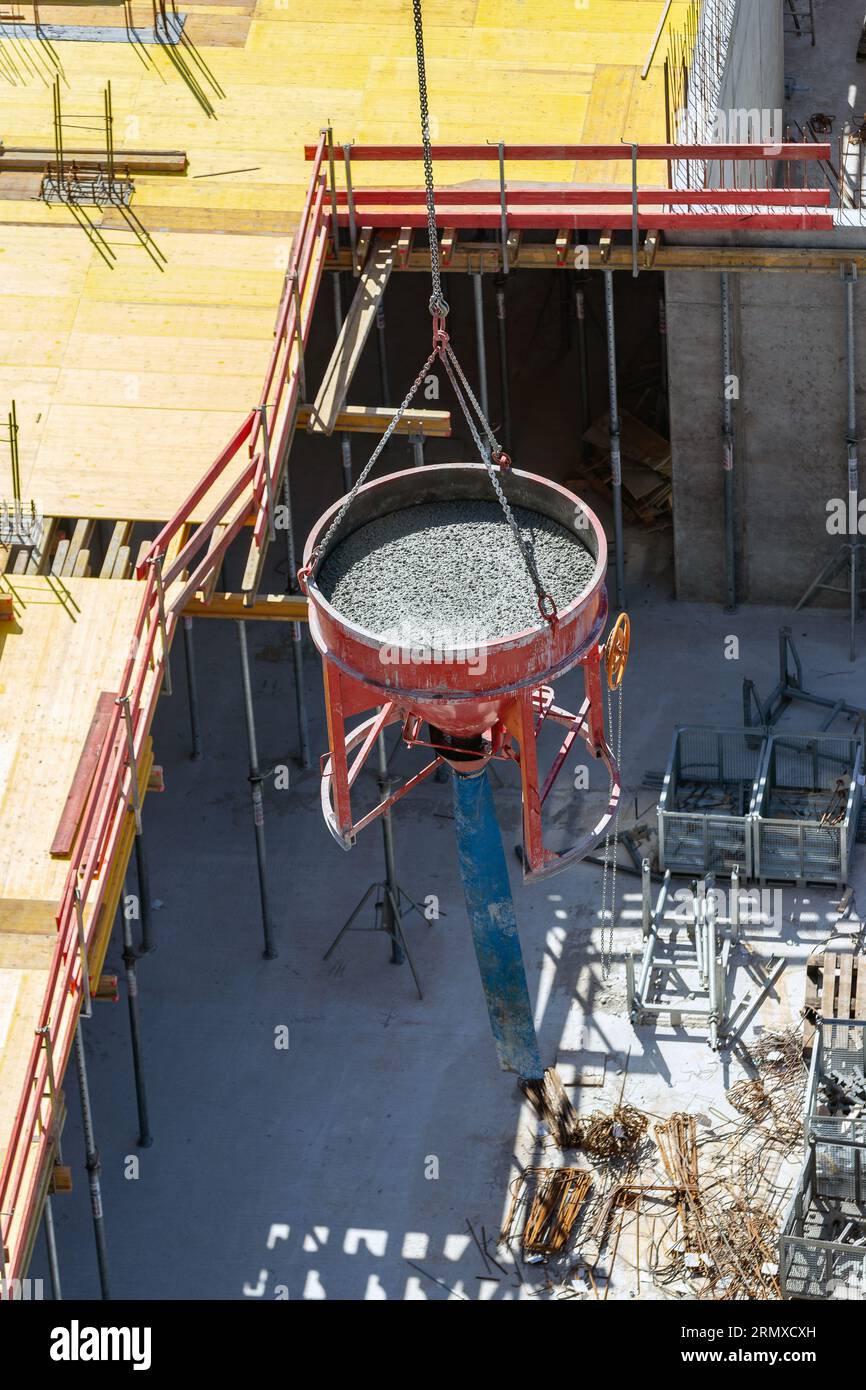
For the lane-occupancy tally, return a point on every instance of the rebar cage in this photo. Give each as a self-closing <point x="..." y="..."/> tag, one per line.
<point x="707" y="799"/>
<point x="807" y="807"/>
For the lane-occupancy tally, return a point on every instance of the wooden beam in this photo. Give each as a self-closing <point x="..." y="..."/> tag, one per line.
<point x="404" y="246"/>
<point x="120" y="535"/>
<point x="26" y="160"/>
<point x="277" y="608"/>
<point x="29" y="916"/>
<point x="542" y="256"/>
<point x="650" y="248"/>
<point x="80" y="541"/>
<point x="362" y="249"/>
<point x="446" y="248"/>
<point x="40" y="556"/>
<point x="353" y="335"/>
<point x="362" y="419"/>
<point x="76" y="797"/>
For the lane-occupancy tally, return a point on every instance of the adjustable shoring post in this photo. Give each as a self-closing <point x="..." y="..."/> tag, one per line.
<point x="417" y="443"/>
<point x="481" y="346"/>
<point x="192" y="688"/>
<point x="142" y="873"/>
<point x="615" y="455"/>
<point x="255" y="781"/>
<point x="384" y="384"/>
<point x="129" y="961"/>
<point x="502" y="331"/>
<point x="728" y="446"/>
<point x="297" y="628"/>
<point x="345" y="438"/>
<point x="583" y="361"/>
<point x="391" y="895"/>
<point x="92" y="1164"/>
<point x="51" y="1250"/>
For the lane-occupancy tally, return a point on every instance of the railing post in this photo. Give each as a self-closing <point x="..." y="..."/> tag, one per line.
<point x="123" y="701"/>
<point x="266" y="461"/>
<point x="87" y="1007"/>
<point x="335" y="229"/>
<point x="350" y="196"/>
<point x="299" y="336"/>
<point x="503" y="208"/>
<point x="157" y="561"/>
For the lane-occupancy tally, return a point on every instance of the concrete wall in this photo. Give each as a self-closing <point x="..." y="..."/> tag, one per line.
<point x="790" y="419"/>
<point x="790" y="427"/>
<point x="755" y="69"/>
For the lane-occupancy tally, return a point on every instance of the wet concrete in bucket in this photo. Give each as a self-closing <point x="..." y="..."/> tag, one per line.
<point x="451" y="574"/>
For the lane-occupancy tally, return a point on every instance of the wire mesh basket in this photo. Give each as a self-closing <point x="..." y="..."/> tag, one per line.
<point x="808" y="808"/>
<point x="836" y="1103"/>
<point x="707" y="800"/>
<point x="820" y="1254"/>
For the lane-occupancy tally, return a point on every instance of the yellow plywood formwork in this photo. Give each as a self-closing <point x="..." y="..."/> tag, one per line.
<point x="69" y="641"/>
<point x="129" y="380"/>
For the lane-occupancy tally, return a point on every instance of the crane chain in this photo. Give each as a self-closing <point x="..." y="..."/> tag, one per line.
<point x="323" y="544"/>
<point x="442" y="349"/>
<point x="438" y="304"/>
<point x="546" y="604"/>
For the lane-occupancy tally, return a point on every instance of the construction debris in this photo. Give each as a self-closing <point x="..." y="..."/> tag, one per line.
<point x="553" y="1107"/>
<point x="546" y="1203"/>
<point x="646" y="466"/>
<point x="613" y="1136"/>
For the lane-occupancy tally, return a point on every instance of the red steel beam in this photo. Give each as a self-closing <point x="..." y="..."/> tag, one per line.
<point x="555" y="218"/>
<point x="592" y="197"/>
<point x="541" y="153"/>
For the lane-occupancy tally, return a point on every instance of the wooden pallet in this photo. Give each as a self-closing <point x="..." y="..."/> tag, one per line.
<point x="835" y="988"/>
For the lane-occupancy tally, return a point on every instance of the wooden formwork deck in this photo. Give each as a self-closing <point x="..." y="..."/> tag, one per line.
<point x="130" y="379"/>
<point x="67" y="643"/>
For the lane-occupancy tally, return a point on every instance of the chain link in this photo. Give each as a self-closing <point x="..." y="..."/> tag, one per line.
<point x="438" y="304"/>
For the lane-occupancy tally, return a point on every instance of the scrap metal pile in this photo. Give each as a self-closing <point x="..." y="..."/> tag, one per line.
<point x="690" y="1205"/>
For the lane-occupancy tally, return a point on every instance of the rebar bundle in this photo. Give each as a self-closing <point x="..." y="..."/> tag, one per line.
<point x="615" y="1135"/>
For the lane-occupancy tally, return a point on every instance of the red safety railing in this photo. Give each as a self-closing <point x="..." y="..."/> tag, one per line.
<point x="748" y="194"/>
<point x="266" y="431"/>
<point x="109" y="799"/>
<point x="268" y="427"/>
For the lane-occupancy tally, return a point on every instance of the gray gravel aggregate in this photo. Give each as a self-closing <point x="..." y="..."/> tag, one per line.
<point x="451" y="573"/>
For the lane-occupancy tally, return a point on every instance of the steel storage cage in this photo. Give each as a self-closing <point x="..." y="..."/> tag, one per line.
<point x="808" y="808"/>
<point x="707" y="800"/>
<point x="812" y="1264"/>
<point x="836" y="1107"/>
